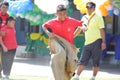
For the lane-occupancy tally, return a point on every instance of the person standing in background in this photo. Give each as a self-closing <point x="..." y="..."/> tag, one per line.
<point x="3" y="13"/>
<point x="3" y="17"/>
<point x="9" y="45"/>
<point x="94" y="41"/>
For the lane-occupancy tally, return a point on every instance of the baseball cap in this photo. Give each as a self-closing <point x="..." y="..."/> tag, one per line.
<point x="90" y="5"/>
<point x="61" y="7"/>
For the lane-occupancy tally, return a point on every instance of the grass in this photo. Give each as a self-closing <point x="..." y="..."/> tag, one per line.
<point x="21" y="77"/>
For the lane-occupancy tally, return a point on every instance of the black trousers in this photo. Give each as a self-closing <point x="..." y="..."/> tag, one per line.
<point x="7" y="61"/>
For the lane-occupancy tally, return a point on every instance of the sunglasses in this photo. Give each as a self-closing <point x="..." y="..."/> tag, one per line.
<point x="90" y="7"/>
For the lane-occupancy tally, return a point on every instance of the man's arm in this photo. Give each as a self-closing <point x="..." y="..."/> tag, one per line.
<point x="102" y="32"/>
<point x="2" y="44"/>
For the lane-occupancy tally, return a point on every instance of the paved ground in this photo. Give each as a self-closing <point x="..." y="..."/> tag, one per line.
<point x="39" y="66"/>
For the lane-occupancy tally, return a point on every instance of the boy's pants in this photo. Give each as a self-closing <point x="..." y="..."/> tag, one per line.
<point x="7" y="61"/>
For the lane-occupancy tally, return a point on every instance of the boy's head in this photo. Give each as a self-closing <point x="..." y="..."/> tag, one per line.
<point x="11" y="21"/>
<point x="4" y="7"/>
<point x="61" y="12"/>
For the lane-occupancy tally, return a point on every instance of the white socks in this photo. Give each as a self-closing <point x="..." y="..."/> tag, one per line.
<point x="93" y="77"/>
<point x="76" y="76"/>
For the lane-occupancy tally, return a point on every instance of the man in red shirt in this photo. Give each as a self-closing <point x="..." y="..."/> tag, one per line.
<point x="67" y="28"/>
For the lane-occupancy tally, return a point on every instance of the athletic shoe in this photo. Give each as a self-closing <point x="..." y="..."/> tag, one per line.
<point x="92" y="79"/>
<point x="74" y="78"/>
<point x="5" y="78"/>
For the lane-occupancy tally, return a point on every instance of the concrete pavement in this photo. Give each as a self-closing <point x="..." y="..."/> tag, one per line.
<point x="39" y="66"/>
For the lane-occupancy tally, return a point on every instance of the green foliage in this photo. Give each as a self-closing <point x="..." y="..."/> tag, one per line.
<point x="37" y="46"/>
<point x="116" y="3"/>
<point x="37" y="16"/>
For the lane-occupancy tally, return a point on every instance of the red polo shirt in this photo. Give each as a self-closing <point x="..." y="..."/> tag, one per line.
<point x="64" y="29"/>
<point x="4" y="18"/>
<point x="9" y="39"/>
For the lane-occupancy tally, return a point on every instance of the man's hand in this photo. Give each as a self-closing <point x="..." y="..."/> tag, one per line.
<point x="103" y="46"/>
<point x="84" y="28"/>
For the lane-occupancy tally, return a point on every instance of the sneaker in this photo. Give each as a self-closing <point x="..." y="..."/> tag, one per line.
<point x="5" y="78"/>
<point x="74" y="78"/>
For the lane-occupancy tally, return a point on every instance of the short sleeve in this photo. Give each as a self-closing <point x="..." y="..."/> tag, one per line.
<point x="2" y="30"/>
<point x="48" y="24"/>
<point x="84" y="19"/>
<point x="77" y="22"/>
<point x="0" y="36"/>
<point x="101" y="22"/>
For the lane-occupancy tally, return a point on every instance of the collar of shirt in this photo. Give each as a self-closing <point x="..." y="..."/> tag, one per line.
<point x="90" y="15"/>
<point x="64" y="20"/>
<point x="2" y="14"/>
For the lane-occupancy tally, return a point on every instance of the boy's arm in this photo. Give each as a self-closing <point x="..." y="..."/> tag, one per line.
<point x="47" y="32"/>
<point x="2" y="44"/>
<point x="2" y="33"/>
<point x="77" y="31"/>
